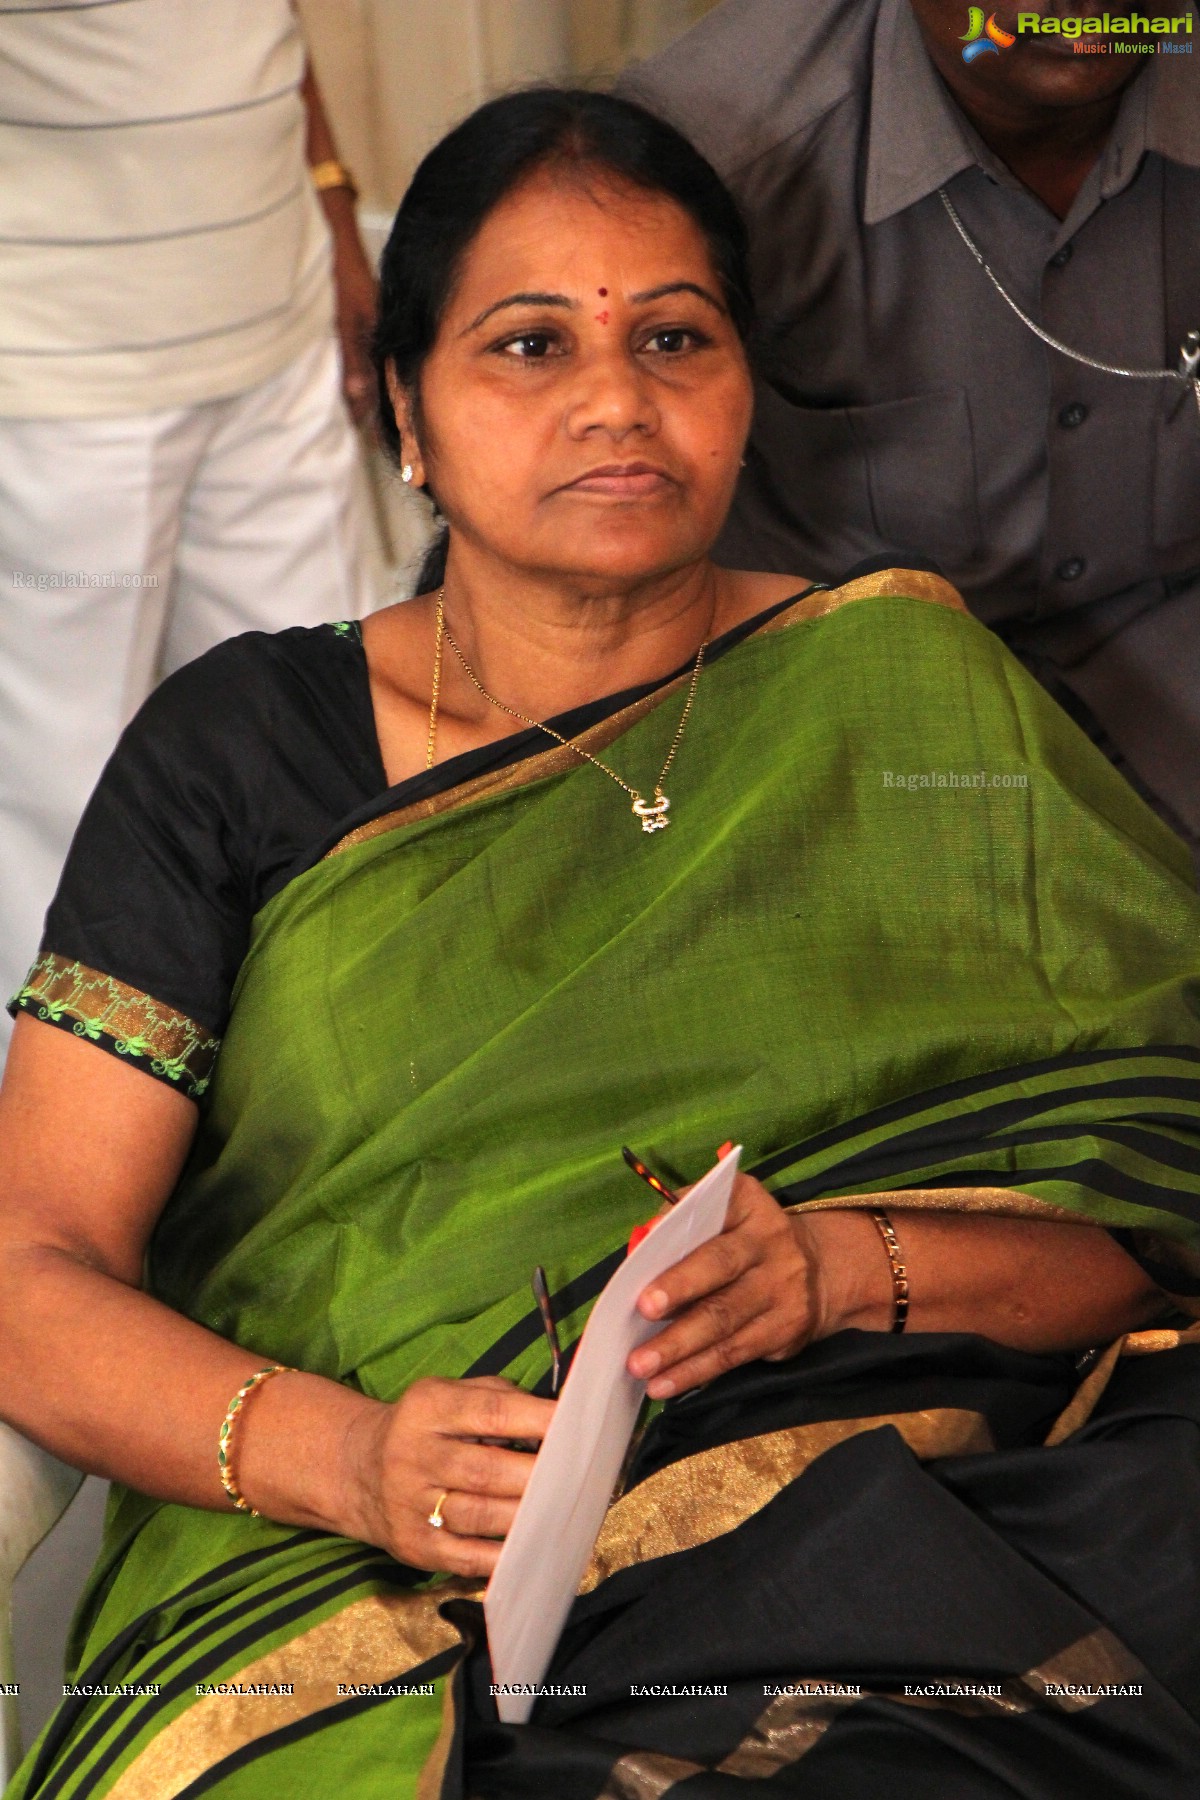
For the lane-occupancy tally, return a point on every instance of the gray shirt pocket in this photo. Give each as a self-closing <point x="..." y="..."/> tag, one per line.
<point x="902" y="471"/>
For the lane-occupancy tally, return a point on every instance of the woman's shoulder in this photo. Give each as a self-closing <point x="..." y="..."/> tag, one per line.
<point x="237" y="695"/>
<point x="257" y="747"/>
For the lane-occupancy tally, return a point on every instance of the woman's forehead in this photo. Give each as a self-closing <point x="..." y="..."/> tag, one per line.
<point x="567" y="231"/>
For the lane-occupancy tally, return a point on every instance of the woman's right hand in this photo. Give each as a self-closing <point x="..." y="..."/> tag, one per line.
<point x="441" y="1437"/>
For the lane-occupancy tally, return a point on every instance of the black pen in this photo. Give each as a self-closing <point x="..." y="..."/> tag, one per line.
<point x="648" y="1176"/>
<point x="541" y="1294"/>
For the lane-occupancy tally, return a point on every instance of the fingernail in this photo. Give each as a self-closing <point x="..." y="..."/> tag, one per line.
<point x="662" y="1389"/>
<point x="644" y="1363"/>
<point x="654" y="1303"/>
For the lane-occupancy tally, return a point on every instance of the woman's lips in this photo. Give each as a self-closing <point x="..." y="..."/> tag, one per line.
<point x="621" y="481"/>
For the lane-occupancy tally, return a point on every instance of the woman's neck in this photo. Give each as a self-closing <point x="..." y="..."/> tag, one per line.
<point x="540" y="649"/>
<point x="544" y="647"/>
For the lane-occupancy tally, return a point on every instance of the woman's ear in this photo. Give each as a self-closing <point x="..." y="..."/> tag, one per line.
<point x="412" y="466"/>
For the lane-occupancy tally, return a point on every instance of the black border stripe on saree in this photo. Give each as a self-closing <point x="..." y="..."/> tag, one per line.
<point x="268" y="1611"/>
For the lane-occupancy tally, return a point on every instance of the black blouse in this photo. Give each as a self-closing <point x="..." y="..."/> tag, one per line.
<point x="232" y="770"/>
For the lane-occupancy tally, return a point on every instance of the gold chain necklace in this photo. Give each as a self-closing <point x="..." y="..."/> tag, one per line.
<point x="652" y="813"/>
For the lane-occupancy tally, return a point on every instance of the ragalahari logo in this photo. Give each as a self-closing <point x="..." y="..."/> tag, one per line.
<point x="984" y="38"/>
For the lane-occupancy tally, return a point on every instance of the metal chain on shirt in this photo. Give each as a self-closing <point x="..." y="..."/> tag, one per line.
<point x="1189" y="357"/>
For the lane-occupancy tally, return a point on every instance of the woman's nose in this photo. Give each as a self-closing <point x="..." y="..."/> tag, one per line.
<point x="612" y="394"/>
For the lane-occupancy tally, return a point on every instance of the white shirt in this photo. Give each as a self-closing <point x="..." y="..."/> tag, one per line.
<point x="160" y="241"/>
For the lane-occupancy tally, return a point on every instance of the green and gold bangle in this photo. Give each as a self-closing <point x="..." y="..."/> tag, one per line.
<point x="225" y="1436"/>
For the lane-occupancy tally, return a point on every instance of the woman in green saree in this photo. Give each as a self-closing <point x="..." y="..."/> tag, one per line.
<point x="353" y="991"/>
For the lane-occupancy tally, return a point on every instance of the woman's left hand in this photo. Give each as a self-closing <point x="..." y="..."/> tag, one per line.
<point x="752" y="1292"/>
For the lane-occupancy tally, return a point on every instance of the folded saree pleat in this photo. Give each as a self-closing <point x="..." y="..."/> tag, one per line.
<point x="908" y="932"/>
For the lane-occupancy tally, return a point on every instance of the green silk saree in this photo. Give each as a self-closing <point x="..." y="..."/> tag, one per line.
<point x="908" y="932"/>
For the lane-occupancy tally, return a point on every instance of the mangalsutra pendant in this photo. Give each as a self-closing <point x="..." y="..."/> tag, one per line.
<point x="653" y="813"/>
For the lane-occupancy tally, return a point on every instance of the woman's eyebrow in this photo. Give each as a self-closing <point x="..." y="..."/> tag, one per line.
<point x="520" y="300"/>
<point x="677" y="287"/>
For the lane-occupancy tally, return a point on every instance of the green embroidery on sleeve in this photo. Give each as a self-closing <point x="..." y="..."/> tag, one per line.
<point x="120" y="1018"/>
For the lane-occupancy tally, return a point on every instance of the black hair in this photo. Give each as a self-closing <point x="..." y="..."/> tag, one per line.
<point x="478" y="164"/>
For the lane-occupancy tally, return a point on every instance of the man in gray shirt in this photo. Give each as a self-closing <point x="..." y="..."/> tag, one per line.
<point x="902" y="403"/>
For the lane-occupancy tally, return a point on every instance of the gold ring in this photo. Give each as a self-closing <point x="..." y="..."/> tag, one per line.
<point x="435" y="1518"/>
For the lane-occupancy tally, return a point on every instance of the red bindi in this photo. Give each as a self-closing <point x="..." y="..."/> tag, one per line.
<point x="603" y="293"/>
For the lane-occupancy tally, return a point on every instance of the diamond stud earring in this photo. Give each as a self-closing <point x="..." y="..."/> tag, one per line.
<point x="406" y="472"/>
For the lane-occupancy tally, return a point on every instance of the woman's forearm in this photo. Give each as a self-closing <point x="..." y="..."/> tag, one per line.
<point x="1031" y="1284"/>
<point x="116" y="1383"/>
<point x="773" y="1281"/>
<point x="93" y="1368"/>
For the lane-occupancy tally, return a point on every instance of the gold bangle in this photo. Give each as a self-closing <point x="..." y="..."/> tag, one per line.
<point x="891" y="1244"/>
<point x="332" y="174"/>
<point x="225" y="1435"/>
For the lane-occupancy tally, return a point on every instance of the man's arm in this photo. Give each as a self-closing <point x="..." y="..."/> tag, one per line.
<point x="354" y="281"/>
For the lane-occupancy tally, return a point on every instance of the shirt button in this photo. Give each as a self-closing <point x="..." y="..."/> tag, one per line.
<point x="1072" y="569"/>
<point x="1073" y="415"/>
<point x="1062" y="257"/>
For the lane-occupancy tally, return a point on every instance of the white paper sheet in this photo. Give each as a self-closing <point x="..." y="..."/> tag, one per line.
<point x="561" y="1510"/>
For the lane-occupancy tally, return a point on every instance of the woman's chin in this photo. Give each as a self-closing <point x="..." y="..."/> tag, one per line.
<point x="619" y="555"/>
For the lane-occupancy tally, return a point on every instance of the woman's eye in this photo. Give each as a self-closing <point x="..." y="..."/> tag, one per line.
<point x="672" y="340"/>
<point x="530" y="345"/>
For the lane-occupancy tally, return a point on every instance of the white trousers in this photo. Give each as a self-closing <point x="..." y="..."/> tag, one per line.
<point x="127" y="547"/>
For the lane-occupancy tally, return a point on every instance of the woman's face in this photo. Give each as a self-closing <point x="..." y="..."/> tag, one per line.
<point x="585" y="405"/>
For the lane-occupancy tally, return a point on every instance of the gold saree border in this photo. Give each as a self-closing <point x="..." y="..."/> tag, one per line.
<point x="646" y="1775"/>
<point x="1087" y="1395"/>
<point x="889" y="584"/>
<point x="372" y="1641"/>
<point x="95" y="1005"/>
<point x="1004" y="1203"/>
<point x="814" y="603"/>
<point x="702" y="1497"/>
